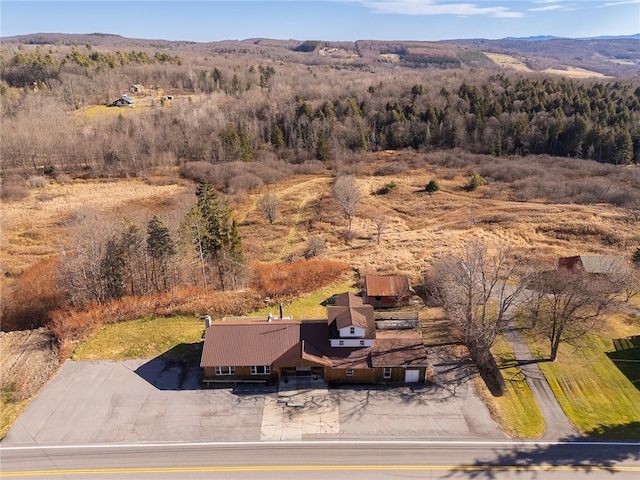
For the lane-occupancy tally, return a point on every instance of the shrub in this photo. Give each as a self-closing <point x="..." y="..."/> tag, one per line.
<point x="315" y="246"/>
<point x="432" y="187"/>
<point x="635" y="258"/>
<point x="388" y="187"/>
<point x="27" y="303"/>
<point x="475" y="181"/>
<point x="37" y="181"/>
<point x="13" y="189"/>
<point x="70" y="326"/>
<point x="283" y="281"/>
<point x="390" y="169"/>
<point x="63" y="178"/>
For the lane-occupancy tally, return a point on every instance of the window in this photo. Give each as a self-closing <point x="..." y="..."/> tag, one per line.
<point x="340" y="342"/>
<point x="261" y="370"/>
<point x="352" y="330"/>
<point x="349" y="373"/>
<point x="387" y="372"/>
<point x="225" y="370"/>
<point x="362" y="343"/>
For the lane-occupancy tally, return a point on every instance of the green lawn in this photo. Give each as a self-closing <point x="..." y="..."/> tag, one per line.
<point x="516" y="410"/>
<point x="596" y="396"/>
<point x="143" y="338"/>
<point x="308" y="307"/>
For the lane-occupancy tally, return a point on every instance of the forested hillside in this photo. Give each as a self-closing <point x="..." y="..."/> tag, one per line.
<point x="239" y="120"/>
<point x="235" y="107"/>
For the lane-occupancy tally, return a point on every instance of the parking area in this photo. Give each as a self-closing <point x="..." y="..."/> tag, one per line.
<point x="138" y="401"/>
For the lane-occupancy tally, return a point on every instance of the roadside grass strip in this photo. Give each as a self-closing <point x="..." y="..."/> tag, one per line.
<point x="517" y="410"/>
<point x="596" y="396"/>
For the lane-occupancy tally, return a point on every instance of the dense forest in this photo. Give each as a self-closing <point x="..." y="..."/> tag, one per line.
<point x="243" y="109"/>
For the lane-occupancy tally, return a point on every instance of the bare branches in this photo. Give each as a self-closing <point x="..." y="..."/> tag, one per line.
<point x="268" y="206"/>
<point x="348" y="195"/>
<point x="564" y="306"/>
<point x="473" y="287"/>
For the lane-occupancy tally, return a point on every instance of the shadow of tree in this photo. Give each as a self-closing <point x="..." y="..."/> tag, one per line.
<point x="628" y="362"/>
<point x="176" y="369"/>
<point x="588" y="453"/>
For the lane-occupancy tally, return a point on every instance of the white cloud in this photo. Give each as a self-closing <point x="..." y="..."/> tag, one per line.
<point x="623" y="2"/>
<point x="547" y="8"/>
<point x="436" y="7"/>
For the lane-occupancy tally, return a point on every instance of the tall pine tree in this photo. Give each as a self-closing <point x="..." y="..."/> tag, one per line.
<point x="160" y="247"/>
<point x="215" y="236"/>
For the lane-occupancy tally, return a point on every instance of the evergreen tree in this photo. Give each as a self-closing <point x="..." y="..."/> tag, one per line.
<point x="215" y="236"/>
<point x="277" y="137"/>
<point x="112" y="271"/>
<point x="160" y="247"/>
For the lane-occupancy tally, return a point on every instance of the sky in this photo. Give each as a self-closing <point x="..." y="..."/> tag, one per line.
<point x="329" y="20"/>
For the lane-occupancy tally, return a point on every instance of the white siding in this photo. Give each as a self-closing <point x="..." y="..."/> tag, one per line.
<point x="346" y="332"/>
<point x="353" y="342"/>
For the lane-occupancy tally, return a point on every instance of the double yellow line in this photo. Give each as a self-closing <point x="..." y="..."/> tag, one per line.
<point x="311" y="468"/>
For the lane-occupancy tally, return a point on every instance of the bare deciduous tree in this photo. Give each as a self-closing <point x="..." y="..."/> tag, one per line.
<point x="268" y="206"/>
<point x="348" y="195"/>
<point x="473" y="287"/>
<point x="564" y="306"/>
<point x="380" y="222"/>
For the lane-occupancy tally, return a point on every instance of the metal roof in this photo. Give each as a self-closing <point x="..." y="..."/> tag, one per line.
<point x="386" y="285"/>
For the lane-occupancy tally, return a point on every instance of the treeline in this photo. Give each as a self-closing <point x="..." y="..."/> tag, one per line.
<point x="253" y="111"/>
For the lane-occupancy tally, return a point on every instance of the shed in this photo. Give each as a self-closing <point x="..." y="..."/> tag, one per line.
<point x="386" y="291"/>
<point x="594" y="264"/>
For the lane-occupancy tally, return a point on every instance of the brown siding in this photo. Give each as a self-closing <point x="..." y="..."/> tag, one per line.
<point x="397" y="374"/>
<point x="340" y="376"/>
<point x="242" y="373"/>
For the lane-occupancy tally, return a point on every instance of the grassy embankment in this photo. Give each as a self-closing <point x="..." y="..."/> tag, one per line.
<point x="596" y="396"/>
<point x="516" y="410"/>
<point x="151" y="337"/>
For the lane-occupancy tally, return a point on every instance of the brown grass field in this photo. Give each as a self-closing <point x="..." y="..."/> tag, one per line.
<point x="416" y="228"/>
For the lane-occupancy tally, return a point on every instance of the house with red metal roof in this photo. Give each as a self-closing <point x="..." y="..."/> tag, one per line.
<point x="344" y="348"/>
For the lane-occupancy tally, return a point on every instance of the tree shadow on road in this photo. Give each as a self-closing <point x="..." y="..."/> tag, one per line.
<point x="592" y="452"/>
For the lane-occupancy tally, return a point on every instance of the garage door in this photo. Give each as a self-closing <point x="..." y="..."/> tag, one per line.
<point x="412" y="376"/>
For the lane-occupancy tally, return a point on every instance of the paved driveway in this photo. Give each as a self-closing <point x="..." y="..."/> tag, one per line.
<point x="137" y="401"/>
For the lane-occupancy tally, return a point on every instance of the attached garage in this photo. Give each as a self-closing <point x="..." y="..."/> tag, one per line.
<point x="411" y="376"/>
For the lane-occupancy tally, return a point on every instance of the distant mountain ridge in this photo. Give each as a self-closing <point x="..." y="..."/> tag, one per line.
<point x="616" y="56"/>
<point x="539" y="38"/>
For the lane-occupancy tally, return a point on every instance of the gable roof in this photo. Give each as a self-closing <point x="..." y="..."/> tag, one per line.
<point x="350" y="311"/>
<point x="248" y="343"/>
<point x="386" y="285"/>
<point x="399" y="348"/>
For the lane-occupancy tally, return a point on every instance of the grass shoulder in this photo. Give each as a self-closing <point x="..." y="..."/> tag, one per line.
<point x="516" y="410"/>
<point x="596" y="396"/>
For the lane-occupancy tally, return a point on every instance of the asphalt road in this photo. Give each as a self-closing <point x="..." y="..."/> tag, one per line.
<point x="354" y="460"/>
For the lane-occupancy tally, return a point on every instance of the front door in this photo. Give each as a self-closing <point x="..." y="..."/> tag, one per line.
<point x="411" y="376"/>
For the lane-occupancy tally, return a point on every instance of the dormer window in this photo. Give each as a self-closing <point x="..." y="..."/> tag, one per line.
<point x="352" y="331"/>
